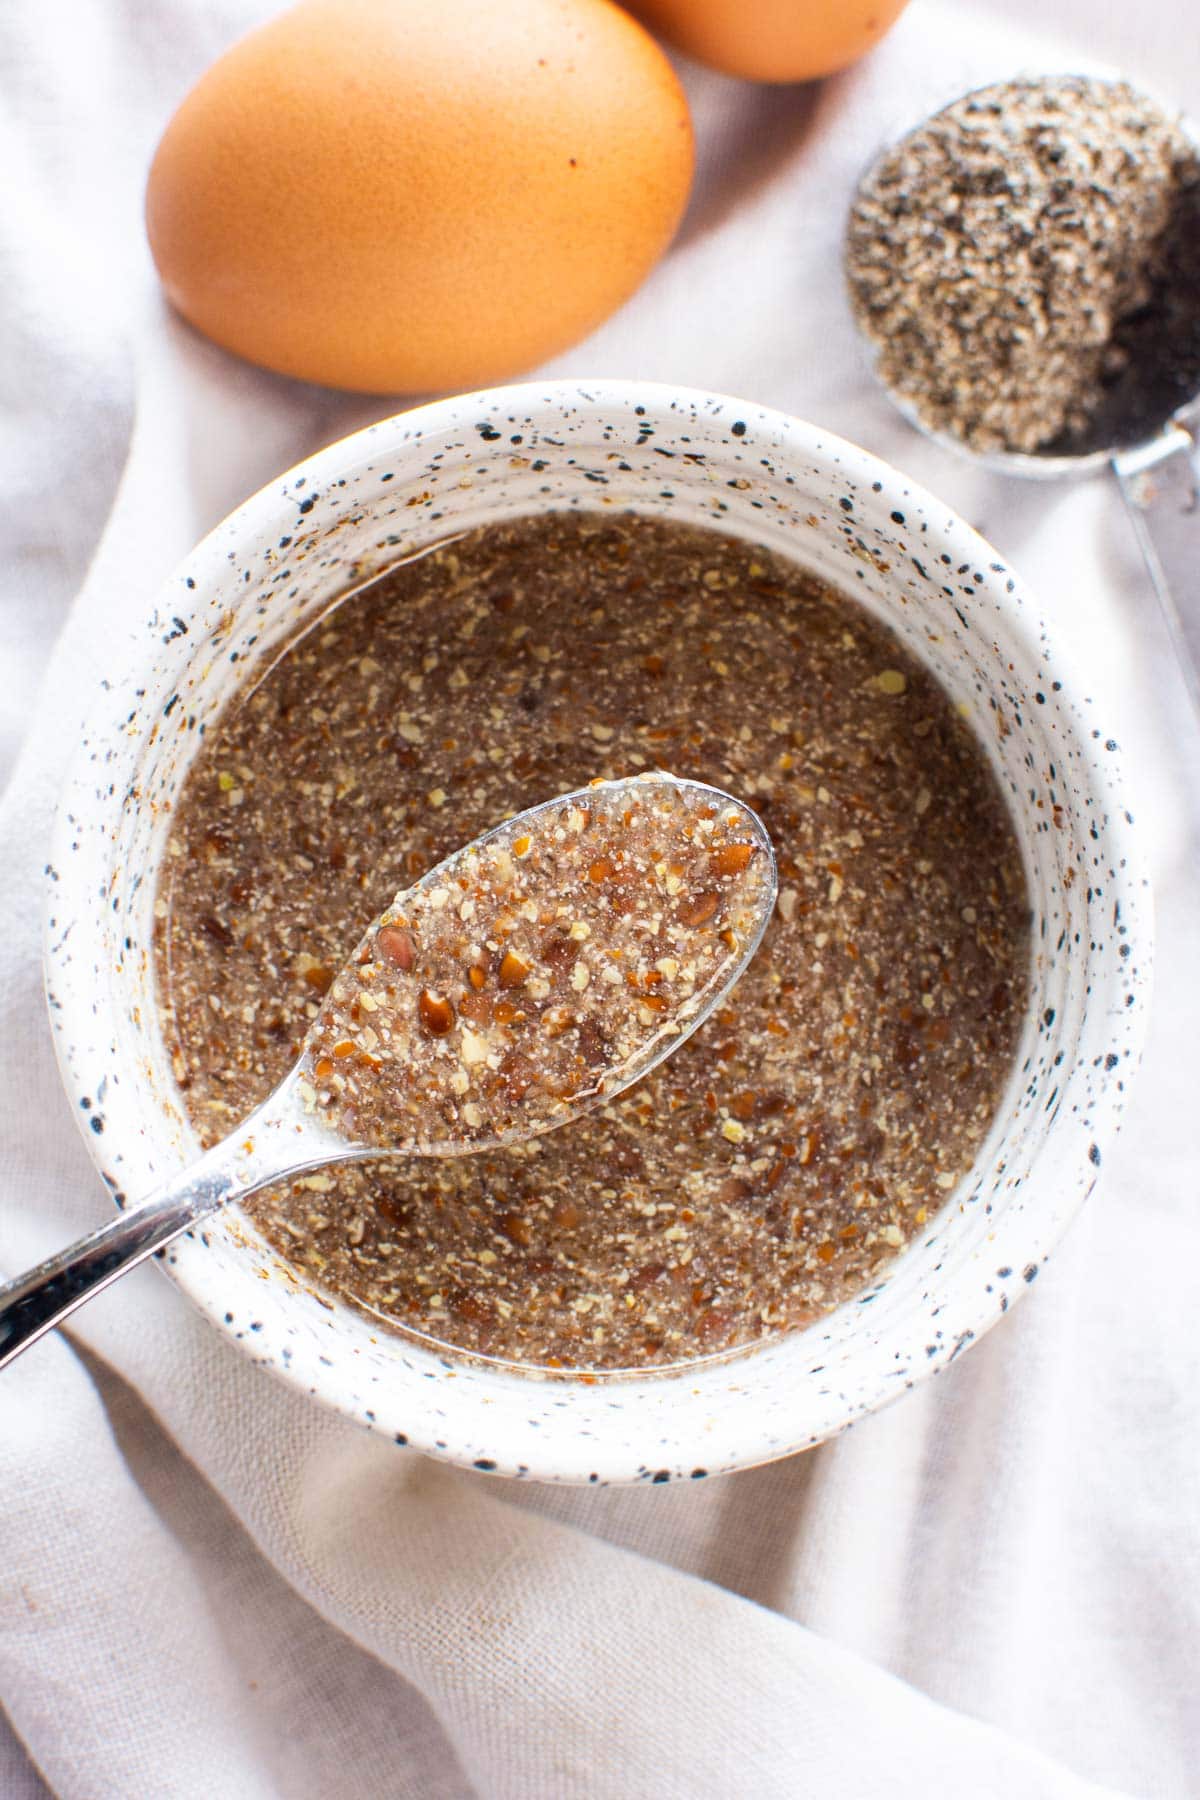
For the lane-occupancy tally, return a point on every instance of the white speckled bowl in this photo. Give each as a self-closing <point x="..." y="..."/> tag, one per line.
<point x="349" y="512"/>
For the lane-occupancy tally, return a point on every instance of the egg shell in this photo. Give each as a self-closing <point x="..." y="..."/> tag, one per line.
<point x="397" y="196"/>
<point x="772" y="40"/>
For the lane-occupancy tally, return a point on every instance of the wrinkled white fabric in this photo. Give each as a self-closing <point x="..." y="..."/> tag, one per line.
<point x="208" y="1587"/>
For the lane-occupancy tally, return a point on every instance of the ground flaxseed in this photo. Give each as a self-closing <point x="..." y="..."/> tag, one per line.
<point x="1027" y="263"/>
<point x="540" y="969"/>
<point x="809" y="1129"/>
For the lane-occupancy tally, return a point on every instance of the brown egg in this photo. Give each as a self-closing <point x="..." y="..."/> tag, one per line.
<point x="400" y="195"/>
<point x="771" y="40"/>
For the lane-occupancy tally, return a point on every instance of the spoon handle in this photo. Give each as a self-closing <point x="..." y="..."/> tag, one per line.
<point x="274" y="1142"/>
<point x="37" y="1301"/>
<point x="1161" y="488"/>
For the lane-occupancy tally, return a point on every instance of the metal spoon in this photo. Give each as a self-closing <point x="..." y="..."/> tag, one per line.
<point x="300" y="1126"/>
<point x="1159" y="479"/>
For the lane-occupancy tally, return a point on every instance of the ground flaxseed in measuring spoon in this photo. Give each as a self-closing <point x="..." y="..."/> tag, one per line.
<point x="533" y="974"/>
<point x="1027" y="265"/>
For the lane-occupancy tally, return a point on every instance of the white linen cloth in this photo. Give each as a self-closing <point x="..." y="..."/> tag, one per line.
<point x="211" y="1588"/>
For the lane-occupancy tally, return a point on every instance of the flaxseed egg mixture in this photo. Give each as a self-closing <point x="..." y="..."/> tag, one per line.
<point x="808" y="1131"/>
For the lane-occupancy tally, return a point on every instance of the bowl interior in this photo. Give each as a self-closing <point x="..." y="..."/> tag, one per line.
<point x="351" y="512"/>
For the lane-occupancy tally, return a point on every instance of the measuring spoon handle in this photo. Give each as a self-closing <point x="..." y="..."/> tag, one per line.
<point x="1160" y="483"/>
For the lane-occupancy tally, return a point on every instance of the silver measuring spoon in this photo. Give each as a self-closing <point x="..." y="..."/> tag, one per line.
<point x="1154" y="458"/>
<point x="533" y="975"/>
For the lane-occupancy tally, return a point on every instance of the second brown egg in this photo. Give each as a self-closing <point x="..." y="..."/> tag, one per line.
<point x="772" y="40"/>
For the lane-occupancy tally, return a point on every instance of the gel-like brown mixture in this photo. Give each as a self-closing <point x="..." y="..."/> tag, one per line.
<point x="541" y="969"/>
<point x="810" y="1129"/>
